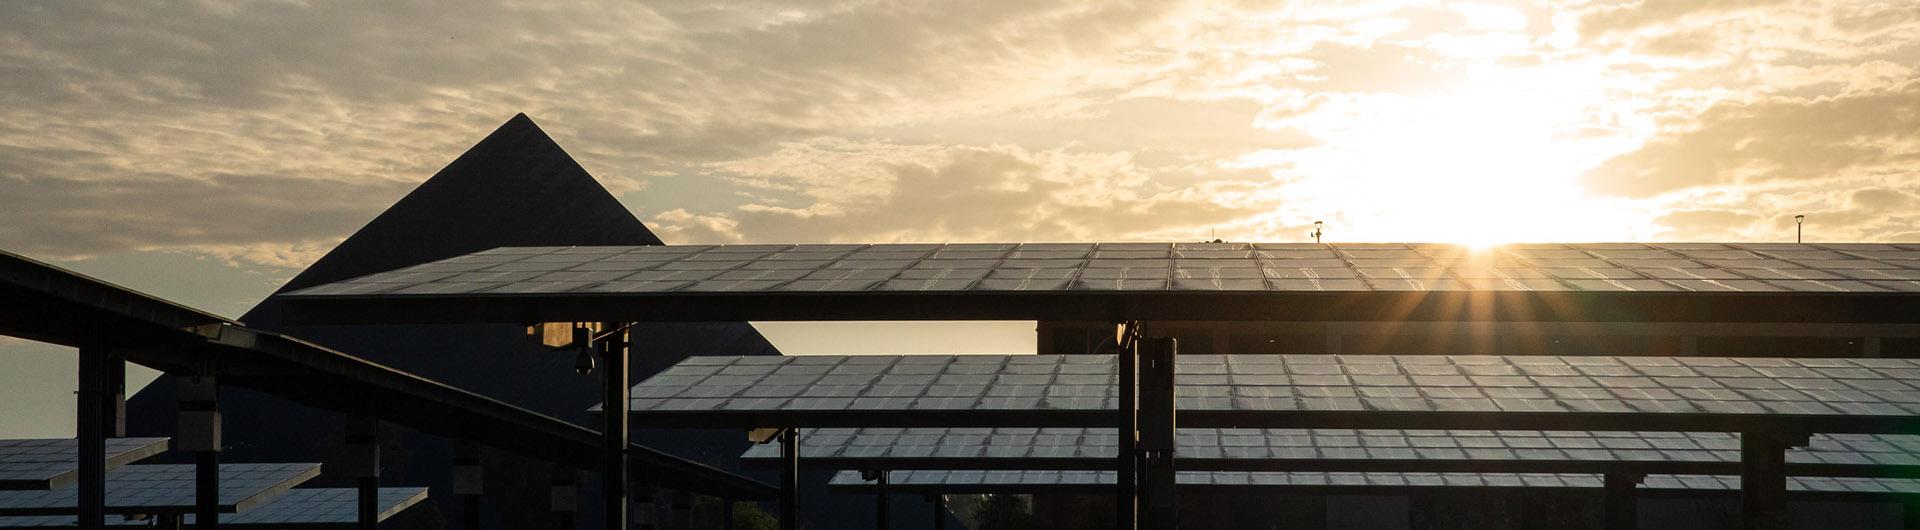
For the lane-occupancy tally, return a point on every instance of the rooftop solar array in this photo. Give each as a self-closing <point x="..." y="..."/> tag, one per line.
<point x="1273" y="449"/>
<point x="987" y="481"/>
<point x="1156" y="267"/>
<point x="1295" y="391"/>
<point x="55" y="462"/>
<point x="298" y="507"/>
<point x="165" y="489"/>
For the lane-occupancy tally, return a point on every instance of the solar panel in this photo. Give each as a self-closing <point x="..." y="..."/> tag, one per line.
<point x="1089" y="281"/>
<point x="166" y="488"/>
<point x="1340" y="449"/>
<point x="1295" y="391"/>
<point x="989" y="481"/>
<point x="297" y="507"/>
<point x="48" y="463"/>
<point x="1154" y="267"/>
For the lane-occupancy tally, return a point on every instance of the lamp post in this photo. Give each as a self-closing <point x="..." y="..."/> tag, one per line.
<point x="1316" y="231"/>
<point x="1799" y="222"/>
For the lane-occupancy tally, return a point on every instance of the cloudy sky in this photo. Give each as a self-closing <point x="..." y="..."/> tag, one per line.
<point x="205" y="151"/>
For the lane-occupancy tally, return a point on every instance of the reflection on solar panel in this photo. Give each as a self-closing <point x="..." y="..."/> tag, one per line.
<point x="1320" y="391"/>
<point x="945" y="481"/>
<point x="1249" y="449"/>
<point x="299" y="507"/>
<point x="1154" y="267"/>
<point x="52" y="463"/>
<point x="166" y="489"/>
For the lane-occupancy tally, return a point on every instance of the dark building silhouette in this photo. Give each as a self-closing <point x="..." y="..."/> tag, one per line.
<point x="516" y="187"/>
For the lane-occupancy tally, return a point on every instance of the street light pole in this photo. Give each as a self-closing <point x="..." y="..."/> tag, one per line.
<point x="1799" y="221"/>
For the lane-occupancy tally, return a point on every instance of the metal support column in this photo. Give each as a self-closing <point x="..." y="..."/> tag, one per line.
<point x="880" y="499"/>
<point x="613" y="469"/>
<point x="682" y="510"/>
<point x="363" y="464"/>
<point x="790" y="479"/>
<point x="726" y="514"/>
<point x="1156" y="418"/>
<point x="1126" y="494"/>
<point x="90" y="394"/>
<point x="1622" y="501"/>
<point x="168" y="521"/>
<point x="468" y="482"/>
<point x="565" y="498"/>
<point x="198" y="433"/>
<point x="113" y="406"/>
<point x="643" y="509"/>
<point x="1763" y="479"/>
<point x="939" y="512"/>
<point x="1910" y="514"/>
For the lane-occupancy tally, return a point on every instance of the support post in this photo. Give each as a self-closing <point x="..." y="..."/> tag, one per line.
<point x="1126" y="495"/>
<point x="1157" y="487"/>
<point x="92" y="439"/>
<point x="468" y="482"/>
<point x="1622" y="501"/>
<point x="363" y="464"/>
<point x="790" y="479"/>
<point x="564" y="499"/>
<point x="113" y="411"/>
<point x="198" y="433"/>
<point x="643" y="509"/>
<point x="1763" y="479"/>
<point x="726" y="514"/>
<point x="168" y="521"/>
<point x="613" y="471"/>
<point x="682" y="510"/>
<point x="880" y="499"/>
<point x="939" y="512"/>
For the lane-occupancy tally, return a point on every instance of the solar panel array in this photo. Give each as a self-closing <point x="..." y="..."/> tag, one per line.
<point x="164" y="488"/>
<point x="1017" y="481"/>
<point x="1154" y="267"/>
<point x="44" y="463"/>
<point x="298" y="507"/>
<point x="972" y="444"/>
<point x="710" y="387"/>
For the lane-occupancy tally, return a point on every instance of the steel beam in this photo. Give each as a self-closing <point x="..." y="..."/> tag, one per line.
<point x="88" y="429"/>
<point x="1622" y="503"/>
<point x="613" y="472"/>
<point x="790" y="479"/>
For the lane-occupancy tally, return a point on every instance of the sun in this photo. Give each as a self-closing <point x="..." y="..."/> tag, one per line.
<point x="1493" y="160"/>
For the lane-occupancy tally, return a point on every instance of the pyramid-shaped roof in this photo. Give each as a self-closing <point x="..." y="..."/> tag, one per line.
<point x="516" y="187"/>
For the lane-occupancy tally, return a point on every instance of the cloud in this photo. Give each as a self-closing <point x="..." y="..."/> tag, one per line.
<point x="1776" y="139"/>
<point x="867" y="191"/>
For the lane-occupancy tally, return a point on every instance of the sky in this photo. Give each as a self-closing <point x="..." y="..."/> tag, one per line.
<point x="205" y="151"/>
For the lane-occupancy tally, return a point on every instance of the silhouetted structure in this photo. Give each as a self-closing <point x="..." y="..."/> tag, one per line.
<point x="514" y="188"/>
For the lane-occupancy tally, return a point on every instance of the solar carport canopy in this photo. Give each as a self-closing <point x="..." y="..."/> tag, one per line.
<point x="1296" y="391"/>
<point x="46" y="303"/>
<point x="1390" y="450"/>
<point x="51" y="463"/>
<point x="1365" y="483"/>
<point x="1703" y="282"/>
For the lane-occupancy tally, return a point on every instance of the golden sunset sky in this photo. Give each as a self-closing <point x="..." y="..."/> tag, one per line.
<point x="206" y="151"/>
